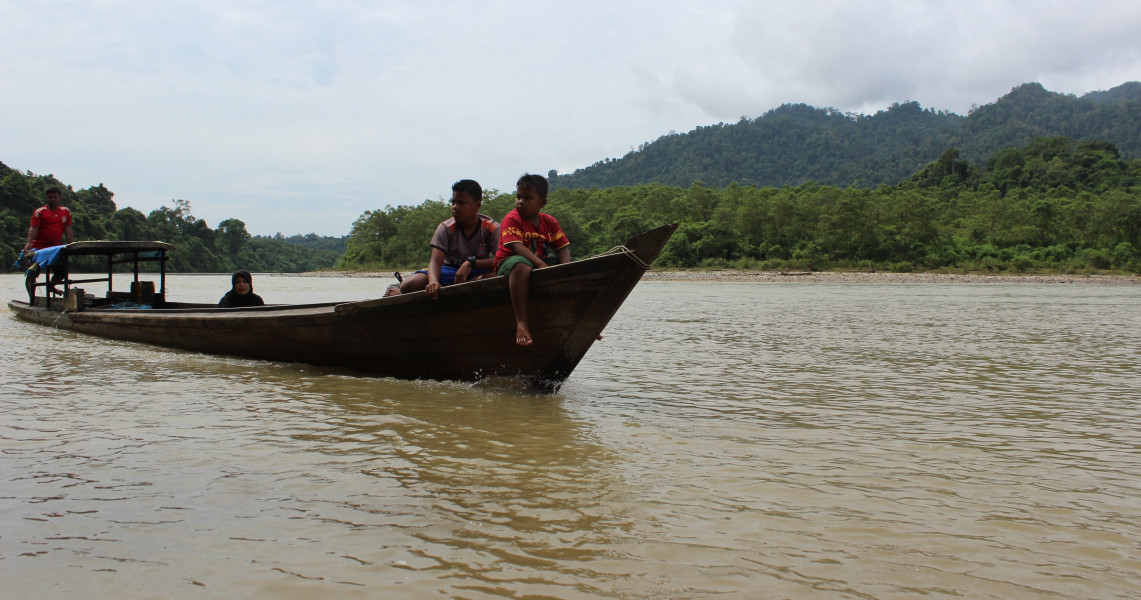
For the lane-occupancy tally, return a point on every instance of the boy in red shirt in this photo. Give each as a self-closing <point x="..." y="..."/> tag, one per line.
<point x="524" y="236"/>
<point x="49" y="223"/>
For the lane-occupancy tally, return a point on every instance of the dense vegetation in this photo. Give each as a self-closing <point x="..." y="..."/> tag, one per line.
<point x="1035" y="181"/>
<point x="796" y="144"/>
<point x="1051" y="205"/>
<point x="197" y="247"/>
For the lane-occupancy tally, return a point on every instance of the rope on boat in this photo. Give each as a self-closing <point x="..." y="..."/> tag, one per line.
<point x="55" y="323"/>
<point x="628" y="252"/>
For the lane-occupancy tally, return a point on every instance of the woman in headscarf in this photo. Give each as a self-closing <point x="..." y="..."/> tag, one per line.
<point x="241" y="293"/>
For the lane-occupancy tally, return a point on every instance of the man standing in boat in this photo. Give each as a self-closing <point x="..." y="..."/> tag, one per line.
<point x="50" y="223"/>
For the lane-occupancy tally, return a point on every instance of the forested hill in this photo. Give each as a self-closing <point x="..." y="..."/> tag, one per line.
<point x="797" y="143"/>
<point x="1052" y="205"/>
<point x="197" y="247"/>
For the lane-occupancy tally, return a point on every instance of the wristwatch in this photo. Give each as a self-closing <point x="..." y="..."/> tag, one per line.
<point x="471" y="260"/>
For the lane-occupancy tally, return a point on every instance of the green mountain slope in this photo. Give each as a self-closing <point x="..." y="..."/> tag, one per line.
<point x="796" y="143"/>
<point x="198" y="248"/>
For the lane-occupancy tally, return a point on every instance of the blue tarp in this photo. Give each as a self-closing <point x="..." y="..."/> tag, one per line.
<point x="47" y="257"/>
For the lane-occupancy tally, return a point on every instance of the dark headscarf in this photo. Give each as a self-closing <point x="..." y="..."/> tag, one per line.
<point x="244" y="274"/>
<point x="233" y="299"/>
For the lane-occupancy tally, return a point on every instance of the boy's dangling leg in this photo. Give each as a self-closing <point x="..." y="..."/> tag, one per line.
<point x="519" y="282"/>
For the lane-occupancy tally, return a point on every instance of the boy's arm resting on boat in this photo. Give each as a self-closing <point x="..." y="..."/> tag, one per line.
<point x="521" y="249"/>
<point x="434" y="265"/>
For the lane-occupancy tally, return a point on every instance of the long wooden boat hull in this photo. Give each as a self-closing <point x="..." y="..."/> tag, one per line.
<point x="468" y="333"/>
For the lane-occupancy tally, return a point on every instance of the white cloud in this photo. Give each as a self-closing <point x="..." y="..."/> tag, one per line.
<point x="298" y="117"/>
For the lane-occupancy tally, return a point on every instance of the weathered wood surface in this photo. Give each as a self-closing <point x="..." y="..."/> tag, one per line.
<point x="466" y="334"/>
<point x="103" y="247"/>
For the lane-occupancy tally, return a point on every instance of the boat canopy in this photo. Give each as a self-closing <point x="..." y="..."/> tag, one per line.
<point x="131" y="253"/>
<point x="106" y="248"/>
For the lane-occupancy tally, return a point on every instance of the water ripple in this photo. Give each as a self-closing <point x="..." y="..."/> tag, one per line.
<point x="758" y="440"/>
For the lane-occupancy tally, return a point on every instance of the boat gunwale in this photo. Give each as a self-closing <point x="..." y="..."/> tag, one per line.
<point x="585" y="294"/>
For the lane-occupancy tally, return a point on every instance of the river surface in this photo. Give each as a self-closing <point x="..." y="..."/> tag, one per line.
<point x="724" y="440"/>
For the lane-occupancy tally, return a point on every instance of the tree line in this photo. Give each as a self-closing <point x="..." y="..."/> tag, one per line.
<point x="197" y="247"/>
<point x="1051" y="205"/>
<point x="796" y="143"/>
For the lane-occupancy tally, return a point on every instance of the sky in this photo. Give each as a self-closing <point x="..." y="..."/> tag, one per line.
<point x="296" y="117"/>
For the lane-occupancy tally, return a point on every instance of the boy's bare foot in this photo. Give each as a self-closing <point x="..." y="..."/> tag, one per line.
<point x="392" y="290"/>
<point x="522" y="335"/>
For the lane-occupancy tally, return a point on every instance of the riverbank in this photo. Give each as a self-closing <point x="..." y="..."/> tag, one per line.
<point x="821" y="277"/>
<point x="877" y="277"/>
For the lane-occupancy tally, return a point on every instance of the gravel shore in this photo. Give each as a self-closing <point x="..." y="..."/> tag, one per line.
<point x="822" y="277"/>
<point x="865" y="277"/>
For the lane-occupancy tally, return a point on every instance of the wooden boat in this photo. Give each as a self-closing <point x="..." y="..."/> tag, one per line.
<point x="468" y="333"/>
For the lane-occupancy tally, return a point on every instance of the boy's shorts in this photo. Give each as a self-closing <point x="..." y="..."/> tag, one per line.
<point x="509" y="263"/>
<point x="448" y="274"/>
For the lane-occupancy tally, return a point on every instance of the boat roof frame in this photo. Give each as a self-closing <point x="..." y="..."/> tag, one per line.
<point x="111" y="248"/>
<point x="139" y="251"/>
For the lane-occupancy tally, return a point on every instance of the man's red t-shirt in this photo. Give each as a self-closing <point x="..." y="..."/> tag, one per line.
<point x="515" y="228"/>
<point x="51" y="224"/>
